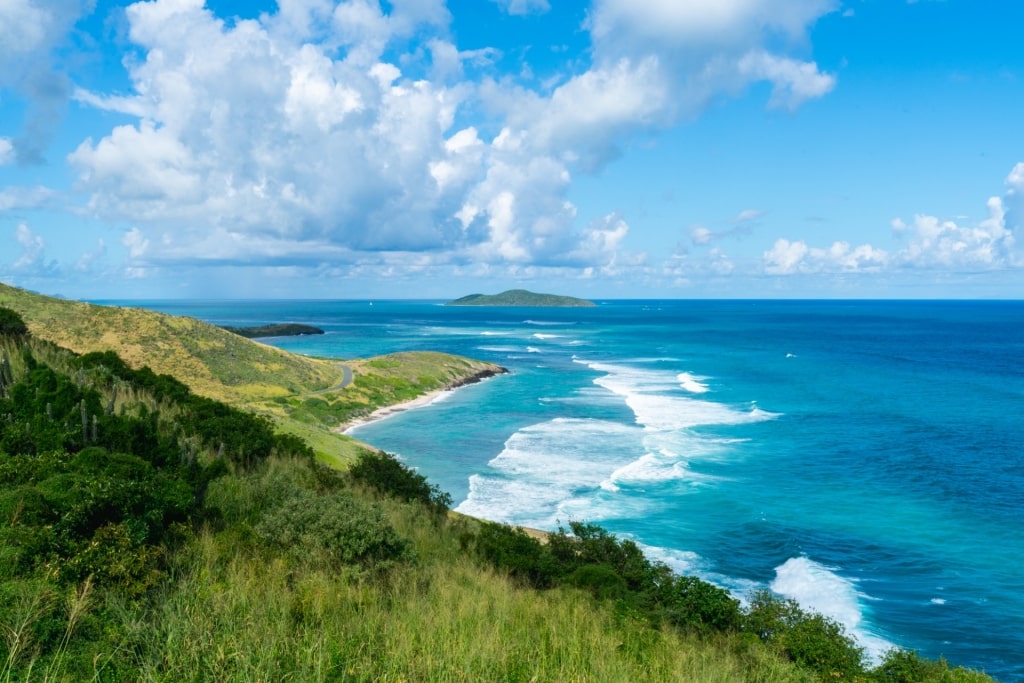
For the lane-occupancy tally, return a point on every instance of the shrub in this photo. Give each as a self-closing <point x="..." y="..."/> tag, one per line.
<point x="692" y="603"/>
<point x="514" y="551"/>
<point x="905" y="666"/>
<point x="11" y="324"/>
<point x="337" y="527"/>
<point x="383" y="472"/>
<point x="811" y="640"/>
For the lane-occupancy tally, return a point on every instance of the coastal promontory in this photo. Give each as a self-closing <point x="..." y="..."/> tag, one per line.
<point x="275" y="330"/>
<point x="520" y="297"/>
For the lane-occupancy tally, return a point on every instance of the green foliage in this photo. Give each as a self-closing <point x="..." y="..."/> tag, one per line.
<point x="906" y="666"/>
<point x="337" y="527"/>
<point x="692" y="603"/>
<point x="11" y="324"/>
<point x="811" y="640"/>
<point x="522" y="556"/>
<point x="384" y="472"/>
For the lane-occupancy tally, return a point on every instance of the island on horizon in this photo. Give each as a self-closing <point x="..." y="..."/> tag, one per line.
<point x="519" y="297"/>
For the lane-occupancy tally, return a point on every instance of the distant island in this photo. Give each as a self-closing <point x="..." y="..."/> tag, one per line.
<point x="275" y="330"/>
<point x="519" y="297"/>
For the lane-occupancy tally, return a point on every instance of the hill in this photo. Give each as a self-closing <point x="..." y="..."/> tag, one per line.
<point x="307" y="397"/>
<point x="275" y="330"/>
<point x="519" y="297"/>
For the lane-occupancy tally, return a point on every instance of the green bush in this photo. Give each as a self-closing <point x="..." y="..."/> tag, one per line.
<point x="689" y="602"/>
<point x="514" y="551"/>
<point x="383" y="472"/>
<point x="11" y="324"/>
<point x="337" y="527"/>
<point x="811" y="640"/>
<point x="905" y="666"/>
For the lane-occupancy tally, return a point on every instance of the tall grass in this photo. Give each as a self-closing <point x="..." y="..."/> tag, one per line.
<point x="237" y="617"/>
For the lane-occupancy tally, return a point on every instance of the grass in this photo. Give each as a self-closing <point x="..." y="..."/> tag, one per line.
<point x="297" y="392"/>
<point x="236" y="614"/>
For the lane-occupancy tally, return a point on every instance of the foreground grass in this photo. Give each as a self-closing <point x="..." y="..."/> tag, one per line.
<point x="237" y="613"/>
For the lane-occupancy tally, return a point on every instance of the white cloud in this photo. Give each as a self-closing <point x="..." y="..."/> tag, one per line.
<point x="136" y="243"/>
<point x="987" y="245"/>
<point x="788" y="258"/>
<point x="6" y="152"/>
<point x="32" y="245"/>
<point x="793" y="82"/>
<point x="16" y="197"/>
<point x="313" y="136"/>
<point x="523" y="7"/>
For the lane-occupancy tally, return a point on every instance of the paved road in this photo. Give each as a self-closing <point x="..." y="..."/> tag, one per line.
<point x="346" y="379"/>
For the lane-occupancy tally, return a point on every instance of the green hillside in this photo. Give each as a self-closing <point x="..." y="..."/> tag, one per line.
<point x="150" y="533"/>
<point x="519" y="297"/>
<point x="307" y="397"/>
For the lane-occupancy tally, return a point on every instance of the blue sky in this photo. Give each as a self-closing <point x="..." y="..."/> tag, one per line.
<point x="428" y="149"/>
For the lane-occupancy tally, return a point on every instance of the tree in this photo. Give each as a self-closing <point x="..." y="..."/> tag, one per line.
<point x="11" y="324"/>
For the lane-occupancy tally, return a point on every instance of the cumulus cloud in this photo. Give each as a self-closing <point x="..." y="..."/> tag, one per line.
<point x="788" y="258"/>
<point x="928" y="242"/>
<point x="336" y="132"/>
<point x="709" y="47"/>
<point x="987" y="245"/>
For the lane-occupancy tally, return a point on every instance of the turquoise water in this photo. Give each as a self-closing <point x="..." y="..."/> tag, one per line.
<point x="864" y="458"/>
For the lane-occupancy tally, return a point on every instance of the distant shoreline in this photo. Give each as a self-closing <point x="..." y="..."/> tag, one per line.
<point x="419" y="402"/>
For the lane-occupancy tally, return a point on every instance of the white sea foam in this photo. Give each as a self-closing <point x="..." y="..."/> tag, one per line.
<point x="652" y="396"/>
<point x="820" y="589"/>
<point x="548" y="323"/>
<point x="532" y="349"/>
<point x="551" y="471"/>
<point x="687" y="563"/>
<point x="938" y="601"/>
<point x="692" y="383"/>
<point x="653" y="468"/>
<point x="542" y="336"/>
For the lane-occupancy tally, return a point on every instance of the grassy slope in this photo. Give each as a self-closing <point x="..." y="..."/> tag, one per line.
<point x="295" y="390"/>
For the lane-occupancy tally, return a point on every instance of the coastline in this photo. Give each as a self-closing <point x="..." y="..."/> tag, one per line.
<point x="393" y="409"/>
<point x="421" y="401"/>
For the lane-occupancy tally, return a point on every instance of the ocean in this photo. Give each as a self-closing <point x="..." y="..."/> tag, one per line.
<point x="865" y="458"/>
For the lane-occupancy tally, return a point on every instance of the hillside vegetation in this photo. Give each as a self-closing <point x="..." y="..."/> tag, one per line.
<point x="307" y="397"/>
<point x="519" y="297"/>
<point x="151" y="534"/>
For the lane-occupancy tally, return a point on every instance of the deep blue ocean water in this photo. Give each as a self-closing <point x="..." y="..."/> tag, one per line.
<point x="863" y="457"/>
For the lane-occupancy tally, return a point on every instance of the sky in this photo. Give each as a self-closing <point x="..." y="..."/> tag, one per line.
<point x="424" y="149"/>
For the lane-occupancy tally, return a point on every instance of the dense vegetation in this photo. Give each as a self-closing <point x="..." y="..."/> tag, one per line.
<point x="519" y="297"/>
<point x="147" y="533"/>
<point x="274" y="330"/>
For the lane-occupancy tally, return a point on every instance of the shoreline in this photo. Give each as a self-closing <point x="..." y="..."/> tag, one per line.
<point x="421" y="401"/>
<point x="385" y="412"/>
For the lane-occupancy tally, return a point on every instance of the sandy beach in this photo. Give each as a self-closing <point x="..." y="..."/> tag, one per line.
<point x="389" y="411"/>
